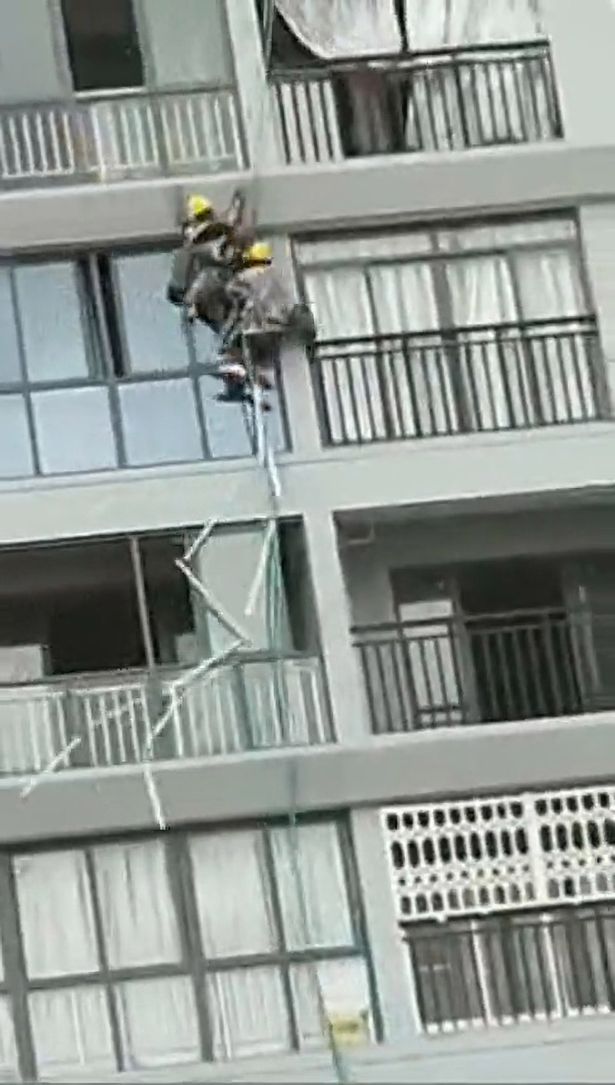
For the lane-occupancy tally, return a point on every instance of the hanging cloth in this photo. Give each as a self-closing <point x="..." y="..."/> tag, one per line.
<point x="333" y="29"/>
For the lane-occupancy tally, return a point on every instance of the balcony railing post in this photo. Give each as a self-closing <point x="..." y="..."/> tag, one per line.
<point x="247" y="727"/>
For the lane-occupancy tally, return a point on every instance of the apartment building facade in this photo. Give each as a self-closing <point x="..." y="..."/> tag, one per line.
<point x="441" y="190"/>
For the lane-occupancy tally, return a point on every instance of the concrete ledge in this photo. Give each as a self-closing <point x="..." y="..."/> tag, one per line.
<point x="389" y="188"/>
<point x="567" y="1051"/>
<point x="561" y="463"/>
<point x="472" y="760"/>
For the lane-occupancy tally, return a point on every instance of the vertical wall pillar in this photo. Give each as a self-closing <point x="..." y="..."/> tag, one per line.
<point x="582" y="39"/>
<point x="391" y="963"/>
<point x="298" y="389"/>
<point x="255" y="98"/>
<point x="345" y="681"/>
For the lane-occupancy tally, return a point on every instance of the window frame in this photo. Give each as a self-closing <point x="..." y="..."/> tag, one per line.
<point x="439" y="252"/>
<point x="103" y="323"/>
<point x="193" y="964"/>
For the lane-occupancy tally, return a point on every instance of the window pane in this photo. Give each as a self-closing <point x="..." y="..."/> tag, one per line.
<point x="15" y="447"/>
<point x="229" y="426"/>
<point x="55" y="912"/>
<point x="74" y="430"/>
<point x="232" y="894"/>
<point x="160" y="423"/>
<point x="249" y="1013"/>
<point x="51" y="322"/>
<point x="345" y="993"/>
<point x="315" y="905"/>
<point x="179" y="55"/>
<point x="154" y="334"/>
<point x="71" y="1031"/>
<point x="103" y="45"/>
<point x="158" y="1023"/>
<point x="9" y="356"/>
<point x="8" y="1050"/>
<point x="136" y="906"/>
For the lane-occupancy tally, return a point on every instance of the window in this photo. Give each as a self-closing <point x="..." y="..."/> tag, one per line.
<point x="103" y="44"/>
<point x="92" y="347"/>
<point x="93" y="636"/>
<point x="142" y="953"/>
<point x="531" y="966"/>
<point x="475" y="329"/>
<point x="506" y="904"/>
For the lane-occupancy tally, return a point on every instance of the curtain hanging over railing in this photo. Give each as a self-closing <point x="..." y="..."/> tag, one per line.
<point x="343" y="28"/>
<point x="431" y="24"/>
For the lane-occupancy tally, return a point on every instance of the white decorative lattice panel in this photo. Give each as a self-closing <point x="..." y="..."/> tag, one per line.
<point x="493" y="854"/>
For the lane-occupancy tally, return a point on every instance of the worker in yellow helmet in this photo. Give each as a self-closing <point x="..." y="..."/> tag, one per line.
<point x="260" y="307"/>
<point x="203" y="257"/>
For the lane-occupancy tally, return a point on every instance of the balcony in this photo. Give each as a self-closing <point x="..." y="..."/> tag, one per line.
<point x="443" y="100"/>
<point x="478" y="379"/>
<point x="471" y="669"/>
<point x="256" y="702"/>
<point x="525" y="884"/>
<point x="113" y="137"/>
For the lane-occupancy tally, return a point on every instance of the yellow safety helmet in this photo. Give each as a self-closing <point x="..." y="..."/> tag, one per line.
<point x="259" y="253"/>
<point x="199" y="207"/>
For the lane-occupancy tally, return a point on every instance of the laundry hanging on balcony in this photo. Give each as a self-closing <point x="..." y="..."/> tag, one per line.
<point x="484" y="97"/>
<point x="433" y="24"/>
<point x="352" y="111"/>
<point x="470" y="96"/>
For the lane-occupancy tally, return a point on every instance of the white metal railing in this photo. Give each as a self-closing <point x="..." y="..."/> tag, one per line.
<point x="501" y="853"/>
<point x="242" y="706"/>
<point x="252" y="705"/>
<point x="132" y="134"/>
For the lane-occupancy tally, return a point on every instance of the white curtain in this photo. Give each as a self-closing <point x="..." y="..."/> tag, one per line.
<point x="232" y="923"/>
<point x="335" y="29"/>
<point x="249" y="1012"/>
<point x="415" y="382"/>
<point x="8" y="1049"/>
<point x="345" y="992"/>
<point x="137" y="910"/>
<point x="56" y="915"/>
<point x="491" y="371"/>
<point x="342" y="28"/>
<point x="349" y="374"/>
<point x="561" y="358"/>
<point x="71" y="1031"/>
<point x="432" y="24"/>
<point x="314" y="906"/>
<point x="158" y="1022"/>
<point x="389" y="389"/>
<point x="481" y="101"/>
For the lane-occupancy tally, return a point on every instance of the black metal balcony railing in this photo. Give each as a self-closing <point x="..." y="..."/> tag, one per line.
<point x="482" y="378"/>
<point x="450" y="671"/>
<point x="446" y="99"/>
<point x="107" y="137"/>
<point x="506" y="970"/>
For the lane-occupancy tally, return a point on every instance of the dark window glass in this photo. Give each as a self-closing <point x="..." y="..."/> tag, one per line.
<point x="103" y="44"/>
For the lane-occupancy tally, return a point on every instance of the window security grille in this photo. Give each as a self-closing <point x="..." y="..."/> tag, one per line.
<point x="496" y="854"/>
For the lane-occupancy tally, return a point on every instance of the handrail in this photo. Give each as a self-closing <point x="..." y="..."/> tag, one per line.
<point x="67" y="683"/>
<point x="87" y="97"/>
<point x="404" y="59"/>
<point x="524" y="327"/>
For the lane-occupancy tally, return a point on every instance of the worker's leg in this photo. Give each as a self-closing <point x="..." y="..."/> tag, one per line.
<point x="265" y="349"/>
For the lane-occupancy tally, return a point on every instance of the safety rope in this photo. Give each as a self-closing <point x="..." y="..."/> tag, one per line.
<point x="275" y="615"/>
